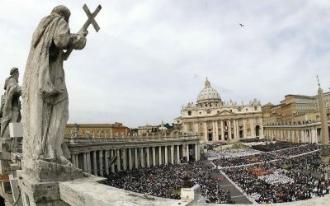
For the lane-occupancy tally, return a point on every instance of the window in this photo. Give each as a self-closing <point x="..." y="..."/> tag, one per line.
<point x="189" y="113"/>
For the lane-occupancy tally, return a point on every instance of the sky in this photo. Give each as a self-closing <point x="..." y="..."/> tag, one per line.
<point x="151" y="57"/>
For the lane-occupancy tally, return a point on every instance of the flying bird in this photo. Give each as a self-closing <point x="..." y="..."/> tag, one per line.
<point x="241" y="25"/>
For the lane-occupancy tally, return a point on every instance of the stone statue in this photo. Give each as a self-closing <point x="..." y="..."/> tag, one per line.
<point x="10" y="103"/>
<point x="45" y="96"/>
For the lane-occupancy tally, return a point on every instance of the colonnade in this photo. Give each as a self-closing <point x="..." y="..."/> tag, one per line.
<point x="102" y="162"/>
<point x="293" y="134"/>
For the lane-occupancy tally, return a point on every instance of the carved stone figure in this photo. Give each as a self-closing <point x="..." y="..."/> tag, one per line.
<point x="10" y="103"/>
<point x="45" y="96"/>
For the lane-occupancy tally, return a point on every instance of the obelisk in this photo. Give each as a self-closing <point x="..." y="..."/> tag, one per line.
<point x="323" y="116"/>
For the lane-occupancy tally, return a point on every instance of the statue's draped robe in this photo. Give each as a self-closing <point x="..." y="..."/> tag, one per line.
<point x="11" y="106"/>
<point x="45" y="97"/>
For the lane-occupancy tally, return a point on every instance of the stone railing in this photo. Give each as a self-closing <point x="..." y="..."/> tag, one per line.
<point x="89" y="191"/>
<point x="129" y="139"/>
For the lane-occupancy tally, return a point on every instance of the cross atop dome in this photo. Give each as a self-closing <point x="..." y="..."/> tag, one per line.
<point x="207" y="83"/>
<point x="318" y="81"/>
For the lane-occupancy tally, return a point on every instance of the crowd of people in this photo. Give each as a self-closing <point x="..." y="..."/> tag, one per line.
<point x="245" y="160"/>
<point x="274" y="146"/>
<point x="282" y="153"/>
<point x="301" y="171"/>
<point x="291" y="172"/>
<point x="167" y="180"/>
<point x="231" y="153"/>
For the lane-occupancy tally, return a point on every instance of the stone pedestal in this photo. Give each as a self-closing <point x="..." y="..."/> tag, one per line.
<point x="5" y="157"/>
<point x="325" y="154"/>
<point x="15" y="190"/>
<point x="39" y="182"/>
<point x="325" y="158"/>
<point x="35" y="193"/>
<point x="44" y="171"/>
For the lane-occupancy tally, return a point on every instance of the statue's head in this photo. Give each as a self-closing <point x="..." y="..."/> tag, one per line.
<point x="14" y="72"/>
<point x="62" y="11"/>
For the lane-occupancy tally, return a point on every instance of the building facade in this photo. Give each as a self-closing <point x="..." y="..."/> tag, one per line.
<point x="96" y="130"/>
<point x="298" y="118"/>
<point x="217" y="121"/>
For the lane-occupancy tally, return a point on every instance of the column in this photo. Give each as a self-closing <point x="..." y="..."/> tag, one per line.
<point x="76" y="160"/>
<point x="222" y="131"/>
<point x="160" y="154"/>
<point x="101" y="162"/>
<point x="216" y="131"/>
<point x="89" y="163"/>
<point x="94" y="163"/>
<point x="118" y="160"/>
<point x="213" y="131"/>
<point x="235" y="129"/>
<point x="229" y="129"/>
<point x="244" y="129"/>
<point x="85" y="162"/>
<point x="196" y="128"/>
<point x="196" y="152"/>
<point x="261" y="128"/>
<point x="251" y="128"/>
<point x="142" y="157"/>
<point x="187" y="152"/>
<point x="148" y="157"/>
<point x="153" y="156"/>
<point x="130" y="165"/>
<point x="172" y="154"/>
<point x="205" y="132"/>
<point x="166" y="155"/>
<point x="178" y="154"/>
<point x="112" y="158"/>
<point x="107" y="172"/>
<point x="73" y="160"/>
<point x="136" y="163"/>
<point x="124" y="159"/>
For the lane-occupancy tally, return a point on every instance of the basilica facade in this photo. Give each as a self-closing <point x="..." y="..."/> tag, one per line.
<point x="217" y="121"/>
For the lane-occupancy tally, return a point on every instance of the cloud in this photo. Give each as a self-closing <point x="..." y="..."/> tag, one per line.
<point x="151" y="57"/>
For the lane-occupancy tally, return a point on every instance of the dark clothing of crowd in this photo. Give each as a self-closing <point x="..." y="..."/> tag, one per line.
<point x="167" y="180"/>
<point x="300" y="169"/>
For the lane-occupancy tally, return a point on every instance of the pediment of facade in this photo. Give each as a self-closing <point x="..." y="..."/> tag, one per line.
<point x="225" y="112"/>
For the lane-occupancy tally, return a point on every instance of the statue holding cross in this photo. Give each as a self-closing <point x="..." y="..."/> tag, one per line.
<point x="45" y="97"/>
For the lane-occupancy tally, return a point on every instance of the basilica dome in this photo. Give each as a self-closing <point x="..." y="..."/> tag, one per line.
<point x="208" y="94"/>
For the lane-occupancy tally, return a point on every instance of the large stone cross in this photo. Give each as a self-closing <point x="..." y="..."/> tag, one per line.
<point x="89" y="21"/>
<point x="91" y="18"/>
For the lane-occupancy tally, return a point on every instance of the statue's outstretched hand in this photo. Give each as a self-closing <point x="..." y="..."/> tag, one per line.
<point x="84" y="33"/>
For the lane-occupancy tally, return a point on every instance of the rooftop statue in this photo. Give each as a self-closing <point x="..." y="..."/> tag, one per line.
<point x="45" y="96"/>
<point x="10" y="103"/>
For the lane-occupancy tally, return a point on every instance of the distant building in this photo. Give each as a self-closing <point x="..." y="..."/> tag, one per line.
<point x="294" y="108"/>
<point x="214" y="120"/>
<point x="97" y="130"/>
<point x="297" y="118"/>
<point x="155" y="130"/>
<point x="148" y="130"/>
